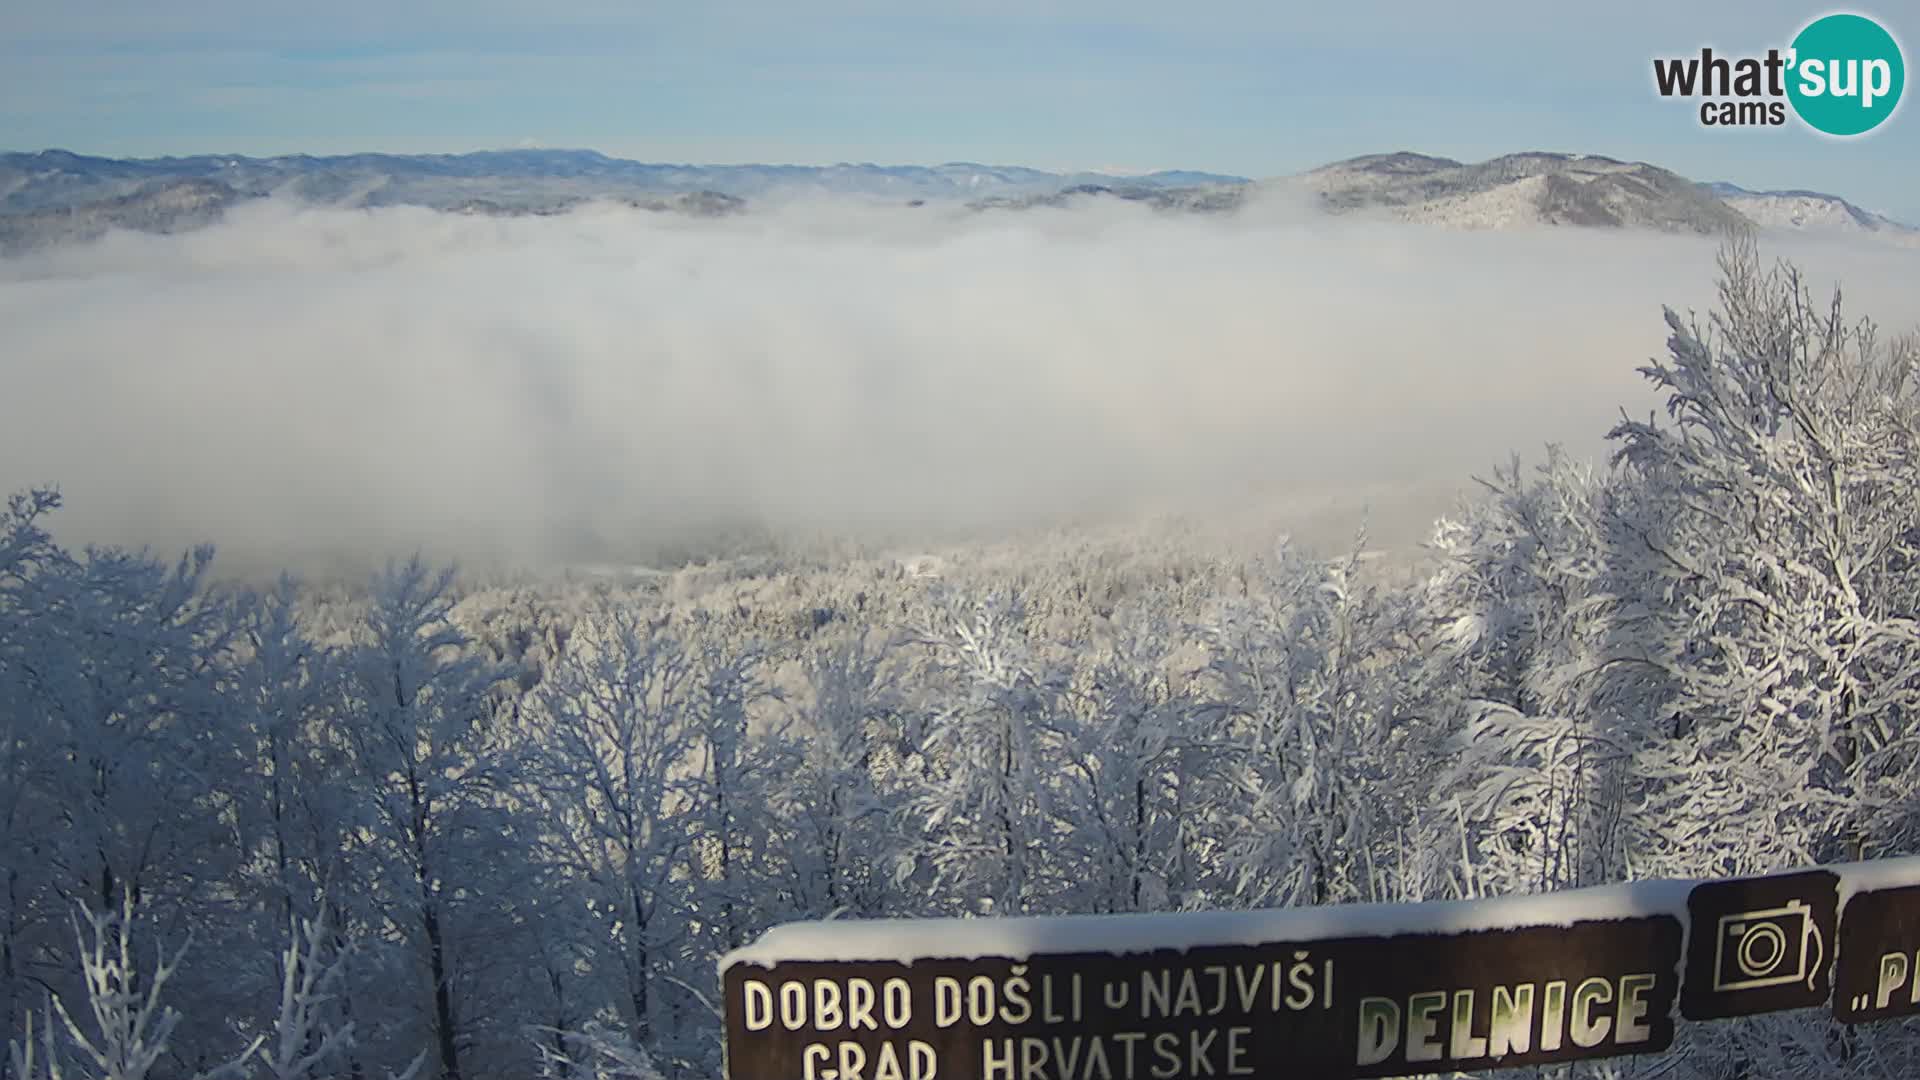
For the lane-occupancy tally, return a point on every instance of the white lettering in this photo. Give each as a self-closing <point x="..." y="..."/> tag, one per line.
<point x="896" y="1003"/>
<point x="1379" y="1030"/>
<point x="1893" y="975"/>
<point x="826" y="1005"/>
<point x="1586" y="1030"/>
<point x="1166" y="1047"/>
<point x="1423" y="1029"/>
<point x="1237" y="1051"/>
<point x="993" y="1065"/>
<point x="1879" y="80"/>
<point x="1553" y="1015"/>
<point x="946" y="1002"/>
<point x="860" y="1006"/>
<point x="1631" y="1019"/>
<point x="793" y="1005"/>
<point x="1464" y="1043"/>
<point x="759" y="1002"/>
<point x="1510" y="1028"/>
<point x="980" y="1000"/>
<point x="808" y="1070"/>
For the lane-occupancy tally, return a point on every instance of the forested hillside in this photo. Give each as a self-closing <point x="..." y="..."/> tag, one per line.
<point x="442" y="828"/>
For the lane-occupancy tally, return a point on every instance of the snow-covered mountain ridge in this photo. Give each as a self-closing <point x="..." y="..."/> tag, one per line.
<point x="55" y="196"/>
<point x="1571" y="189"/>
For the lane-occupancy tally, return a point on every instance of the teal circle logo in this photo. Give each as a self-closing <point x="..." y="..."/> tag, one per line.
<point x="1846" y="76"/>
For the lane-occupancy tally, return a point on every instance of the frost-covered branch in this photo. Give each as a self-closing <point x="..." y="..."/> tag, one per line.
<point x="130" y="1028"/>
<point x="302" y="1039"/>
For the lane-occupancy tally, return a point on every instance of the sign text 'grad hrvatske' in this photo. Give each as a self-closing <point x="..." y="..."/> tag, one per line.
<point x="1357" y="1006"/>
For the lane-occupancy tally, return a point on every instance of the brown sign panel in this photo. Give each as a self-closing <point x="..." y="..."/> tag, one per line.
<point x="1352" y="1007"/>
<point x="1760" y="944"/>
<point x="1878" y="976"/>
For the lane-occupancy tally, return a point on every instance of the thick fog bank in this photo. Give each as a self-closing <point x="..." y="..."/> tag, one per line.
<point x="298" y="384"/>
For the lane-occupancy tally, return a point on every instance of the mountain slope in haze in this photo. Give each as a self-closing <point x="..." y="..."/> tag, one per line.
<point x="1805" y="210"/>
<point x="1522" y="189"/>
<point x="1211" y="199"/>
<point x="154" y="206"/>
<point x="55" y="196"/>
<point x="170" y="206"/>
<point x="529" y="179"/>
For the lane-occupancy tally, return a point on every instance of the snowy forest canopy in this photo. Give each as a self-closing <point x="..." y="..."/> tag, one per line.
<point x="448" y="829"/>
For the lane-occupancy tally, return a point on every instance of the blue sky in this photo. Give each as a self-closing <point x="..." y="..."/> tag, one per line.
<point x="1249" y="88"/>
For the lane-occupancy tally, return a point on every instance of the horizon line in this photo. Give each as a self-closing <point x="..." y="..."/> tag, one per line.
<point x="1115" y="171"/>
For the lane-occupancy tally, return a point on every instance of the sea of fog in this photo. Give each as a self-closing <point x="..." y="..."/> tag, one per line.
<point x="298" y="383"/>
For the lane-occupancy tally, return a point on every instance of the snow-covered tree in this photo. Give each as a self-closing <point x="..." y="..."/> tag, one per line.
<point x="1530" y="616"/>
<point x="981" y="806"/>
<point x="285" y="690"/>
<point x="420" y="711"/>
<point x="1314" y="717"/>
<point x="615" y="770"/>
<point x="28" y="820"/>
<point x="1775" y="512"/>
<point x="1130" y="756"/>
<point x="843" y="799"/>
<point x="737" y="766"/>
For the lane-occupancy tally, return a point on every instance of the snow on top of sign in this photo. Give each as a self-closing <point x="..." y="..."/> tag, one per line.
<point x="1878" y="874"/>
<point x="908" y="940"/>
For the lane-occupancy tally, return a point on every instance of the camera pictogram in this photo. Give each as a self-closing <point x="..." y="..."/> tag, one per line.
<point x="1768" y="947"/>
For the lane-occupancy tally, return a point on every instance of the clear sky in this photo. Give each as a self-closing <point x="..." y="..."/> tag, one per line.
<point x="1254" y="88"/>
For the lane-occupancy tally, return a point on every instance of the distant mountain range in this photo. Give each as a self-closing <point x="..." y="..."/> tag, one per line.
<point x="55" y="197"/>
<point x="522" y="179"/>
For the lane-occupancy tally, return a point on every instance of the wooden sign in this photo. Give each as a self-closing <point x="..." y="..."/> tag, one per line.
<point x="1878" y="974"/>
<point x="1346" y="991"/>
<point x="1760" y="944"/>
<point x="1586" y="974"/>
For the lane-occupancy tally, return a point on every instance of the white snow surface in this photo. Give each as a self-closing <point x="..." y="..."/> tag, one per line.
<point x="906" y="941"/>
<point x="1875" y="875"/>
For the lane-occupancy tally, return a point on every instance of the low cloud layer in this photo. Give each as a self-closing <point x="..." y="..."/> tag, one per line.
<point x="300" y="382"/>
